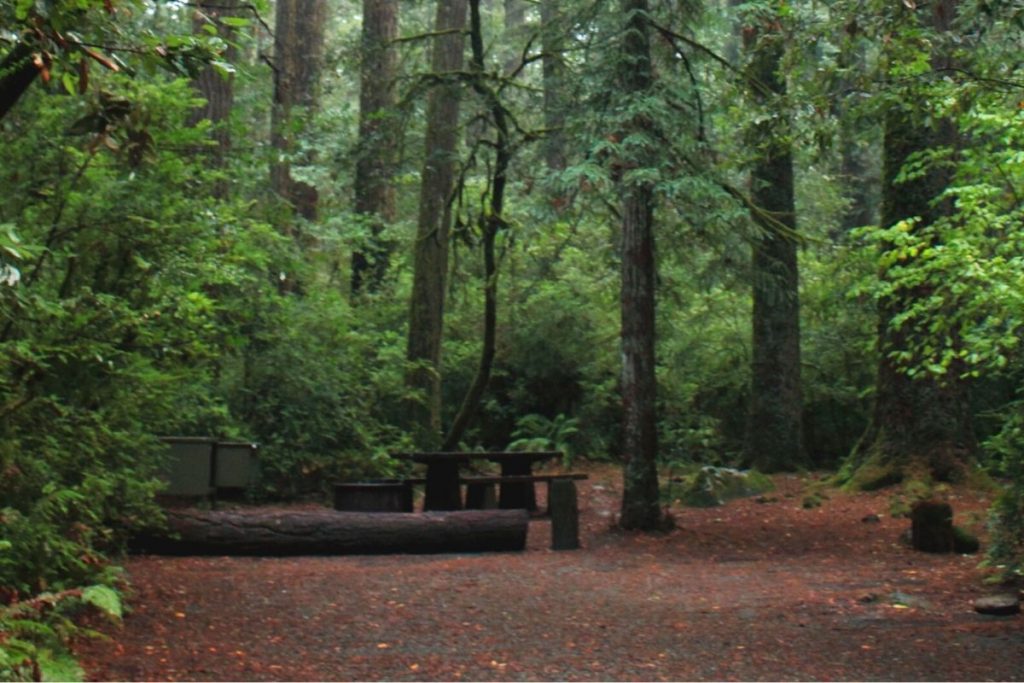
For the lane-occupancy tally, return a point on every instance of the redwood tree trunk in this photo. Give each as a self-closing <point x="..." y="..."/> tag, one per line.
<point x="378" y="140"/>
<point x="298" y="61"/>
<point x="640" y="503"/>
<point x="920" y="427"/>
<point x="856" y="140"/>
<point x="515" y="19"/>
<point x="554" y="83"/>
<point x="775" y="426"/>
<point x="217" y="89"/>
<point x="490" y="224"/>
<point x="430" y="258"/>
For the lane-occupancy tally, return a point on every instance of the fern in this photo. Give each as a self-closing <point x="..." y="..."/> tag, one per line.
<point x="36" y="632"/>
<point x="537" y="433"/>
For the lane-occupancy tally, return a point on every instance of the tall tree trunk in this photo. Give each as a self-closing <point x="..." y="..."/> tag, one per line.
<point x="298" y="61"/>
<point x="554" y="83"/>
<point x="856" y="137"/>
<point x="640" y="503"/>
<point x="490" y="223"/>
<point x="217" y="89"/>
<point x="775" y="427"/>
<point x="920" y="427"/>
<point x="733" y="40"/>
<point x="515" y="19"/>
<point x="430" y="258"/>
<point x="378" y="140"/>
<point x="860" y="184"/>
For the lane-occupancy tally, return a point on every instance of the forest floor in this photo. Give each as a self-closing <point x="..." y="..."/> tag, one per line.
<point x="747" y="591"/>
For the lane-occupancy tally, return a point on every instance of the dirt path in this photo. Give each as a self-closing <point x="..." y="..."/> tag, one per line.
<point x="749" y="591"/>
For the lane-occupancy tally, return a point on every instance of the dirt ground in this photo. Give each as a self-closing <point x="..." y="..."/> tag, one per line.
<point x="748" y="591"/>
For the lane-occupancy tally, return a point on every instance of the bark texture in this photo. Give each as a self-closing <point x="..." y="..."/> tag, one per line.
<point x="931" y="529"/>
<point x="565" y="515"/>
<point x="553" y="64"/>
<point x="298" y="62"/>
<point x="920" y="428"/>
<point x="857" y="136"/>
<point x="329" y="532"/>
<point x="379" y="134"/>
<point x="430" y="258"/>
<point x="775" y="421"/>
<point x="640" y="504"/>
<point x="490" y="223"/>
<point x="217" y="89"/>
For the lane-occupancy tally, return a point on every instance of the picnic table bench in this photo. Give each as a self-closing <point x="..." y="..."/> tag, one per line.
<point x="442" y="485"/>
<point x="516" y="483"/>
<point x="478" y="485"/>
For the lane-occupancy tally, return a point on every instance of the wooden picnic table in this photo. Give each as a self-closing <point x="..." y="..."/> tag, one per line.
<point x="442" y="487"/>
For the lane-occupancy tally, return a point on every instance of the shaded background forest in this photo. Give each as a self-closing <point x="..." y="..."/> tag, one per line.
<point x="340" y="229"/>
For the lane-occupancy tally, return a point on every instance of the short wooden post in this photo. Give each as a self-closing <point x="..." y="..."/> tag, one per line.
<point x="520" y="494"/>
<point x="443" y="491"/>
<point x="481" y="496"/>
<point x="565" y="516"/>
<point x="932" y="527"/>
<point x="391" y="495"/>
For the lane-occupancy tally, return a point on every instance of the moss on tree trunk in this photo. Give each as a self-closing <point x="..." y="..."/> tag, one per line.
<point x="640" y="504"/>
<point x="430" y="258"/>
<point x="374" y="185"/>
<point x="921" y="427"/>
<point x="775" y="426"/>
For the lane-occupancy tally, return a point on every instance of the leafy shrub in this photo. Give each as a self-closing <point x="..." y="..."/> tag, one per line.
<point x="712" y="486"/>
<point x="538" y="433"/>
<point x="1006" y="516"/>
<point x="34" y="633"/>
<point x="320" y="391"/>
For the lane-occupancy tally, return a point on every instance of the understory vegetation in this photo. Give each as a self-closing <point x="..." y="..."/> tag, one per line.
<point x="156" y="280"/>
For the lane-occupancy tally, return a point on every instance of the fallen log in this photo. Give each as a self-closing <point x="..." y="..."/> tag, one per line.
<point x="330" y="532"/>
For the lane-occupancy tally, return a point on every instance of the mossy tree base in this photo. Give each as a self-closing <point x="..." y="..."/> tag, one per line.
<point x="921" y="427"/>
<point x="921" y="430"/>
<point x="885" y="465"/>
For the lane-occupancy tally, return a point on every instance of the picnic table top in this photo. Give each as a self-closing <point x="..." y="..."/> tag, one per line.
<point x="465" y="456"/>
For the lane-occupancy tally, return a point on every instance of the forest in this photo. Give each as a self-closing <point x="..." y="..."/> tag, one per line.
<point x="782" y="235"/>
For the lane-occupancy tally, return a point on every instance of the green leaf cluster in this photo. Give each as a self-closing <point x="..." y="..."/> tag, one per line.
<point x="34" y="633"/>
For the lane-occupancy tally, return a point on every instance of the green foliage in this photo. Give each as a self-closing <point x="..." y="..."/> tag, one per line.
<point x="319" y="391"/>
<point x="106" y="331"/>
<point x="76" y="41"/>
<point x="538" y="433"/>
<point x="964" y="542"/>
<point x="811" y="501"/>
<point x="558" y="341"/>
<point x="1006" y="520"/>
<point x="911" y="492"/>
<point x="134" y="303"/>
<point x="34" y="634"/>
<point x="713" y="486"/>
<point x="837" y="339"/>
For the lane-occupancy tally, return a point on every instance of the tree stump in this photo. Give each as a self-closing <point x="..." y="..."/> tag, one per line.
<point x="931" y="529"/>
<point x="565" y="516"/>
<point x="390" y="495"/>
<point x="998" y="605"/>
